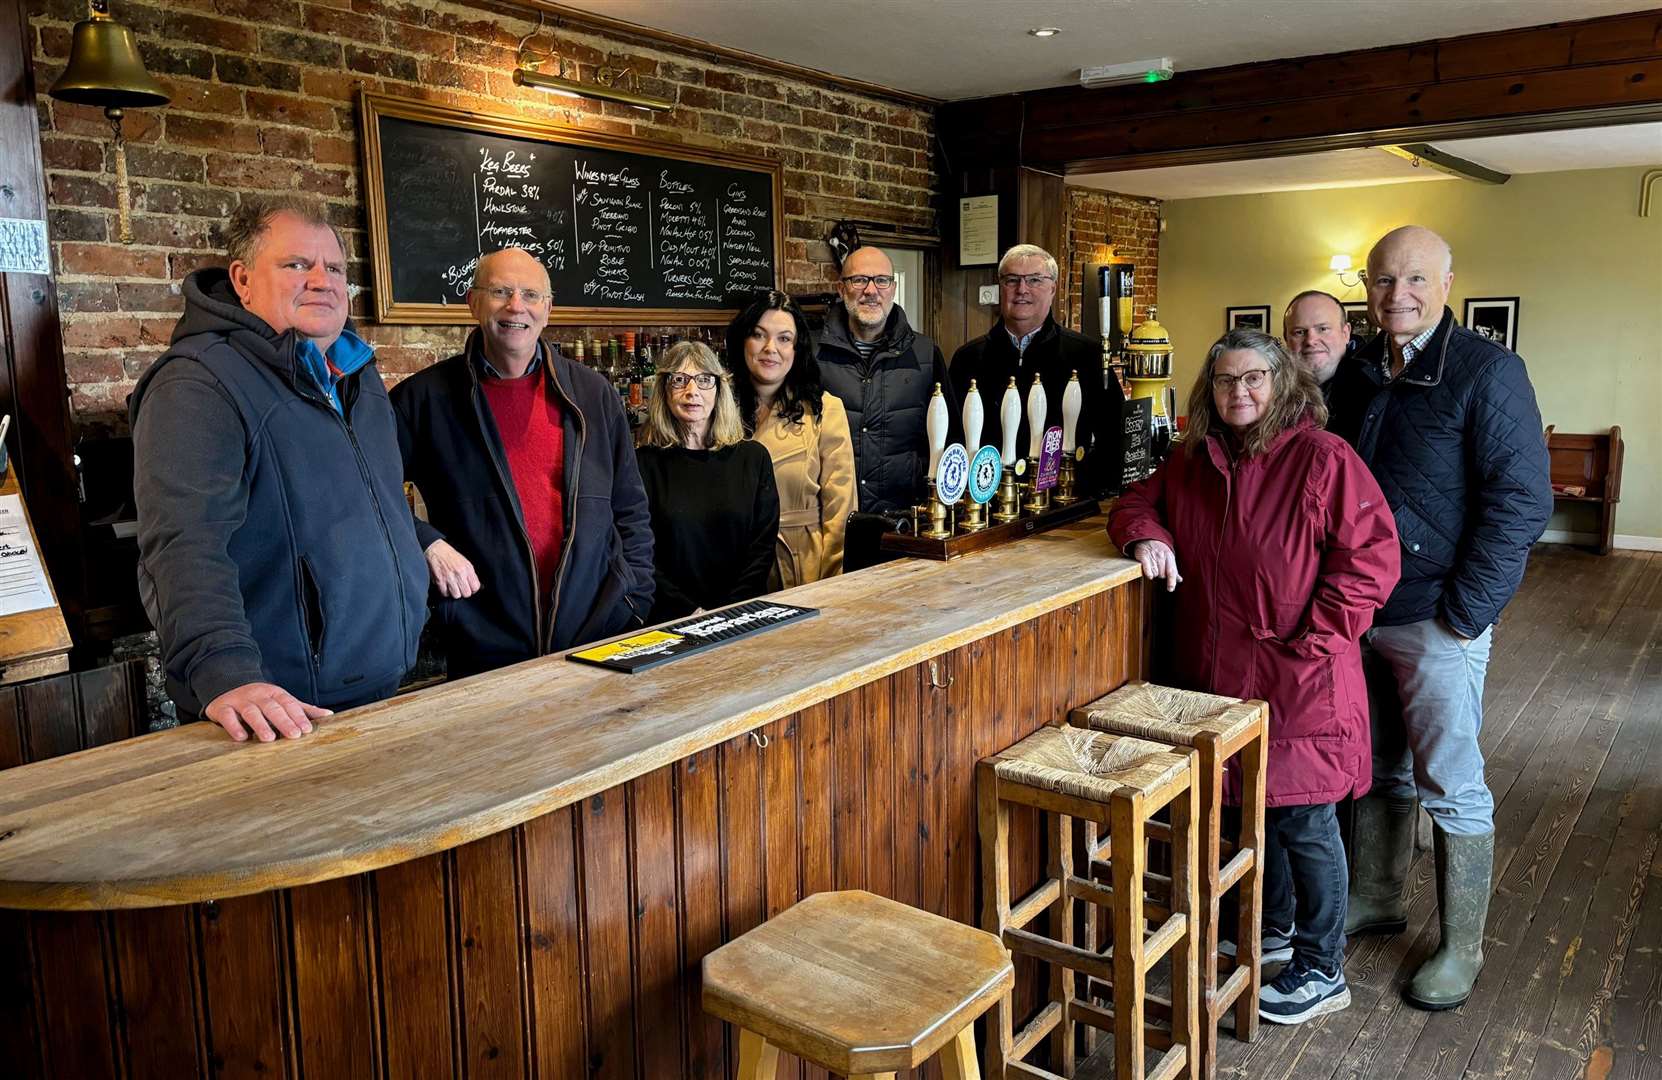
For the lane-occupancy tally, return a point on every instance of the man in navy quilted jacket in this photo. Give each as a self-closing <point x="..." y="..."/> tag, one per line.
<point x="1447" y="421"/>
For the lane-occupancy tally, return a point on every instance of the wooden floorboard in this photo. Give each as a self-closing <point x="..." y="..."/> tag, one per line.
<point x="1572" y="985"/>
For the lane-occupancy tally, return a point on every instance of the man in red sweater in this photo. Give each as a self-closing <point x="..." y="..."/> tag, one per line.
<point x="538" y="536"/>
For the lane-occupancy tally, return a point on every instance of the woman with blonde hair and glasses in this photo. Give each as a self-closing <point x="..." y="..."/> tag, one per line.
<point x="715" y="509"/>
<point x="1286" y="548"/>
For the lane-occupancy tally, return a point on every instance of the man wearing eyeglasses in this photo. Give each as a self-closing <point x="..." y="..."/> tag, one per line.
<point x="885" y="372"/>
<point x="538" y="537"/>
<point x="1027" y="343"/>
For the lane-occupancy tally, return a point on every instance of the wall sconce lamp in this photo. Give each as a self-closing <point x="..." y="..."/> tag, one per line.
<point x="1339" y="264"/>
<point x="605" y="87"/>
<point x="105" y="69"/>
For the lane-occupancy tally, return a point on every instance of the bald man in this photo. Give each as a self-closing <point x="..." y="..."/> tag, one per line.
<point x="884" y="371"/>
<point x="1448" y="423"/>
<point x="538" y="537"/>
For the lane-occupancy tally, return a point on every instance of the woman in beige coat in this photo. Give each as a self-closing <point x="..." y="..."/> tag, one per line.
<point x="805" y="430"/>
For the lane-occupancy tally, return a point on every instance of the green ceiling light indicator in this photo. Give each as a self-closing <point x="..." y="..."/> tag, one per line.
<point x="1138" y="71"/>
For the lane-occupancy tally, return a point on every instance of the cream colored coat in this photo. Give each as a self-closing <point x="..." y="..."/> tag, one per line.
<point x="813" y="464"/>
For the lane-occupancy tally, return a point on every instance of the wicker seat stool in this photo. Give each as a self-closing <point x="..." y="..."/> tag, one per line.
<point x="1117" y="783"/>
<point x="860" y="985"/>
<point x="1217" y="728"/>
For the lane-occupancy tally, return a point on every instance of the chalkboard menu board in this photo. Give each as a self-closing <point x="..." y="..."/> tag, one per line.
<point x="1138" y="422"/>
<point x="631" y="231"/>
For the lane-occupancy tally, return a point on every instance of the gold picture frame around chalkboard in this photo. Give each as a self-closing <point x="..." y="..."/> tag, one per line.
<point x="388" y="308"/>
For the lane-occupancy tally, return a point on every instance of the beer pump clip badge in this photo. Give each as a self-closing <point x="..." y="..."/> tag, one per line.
<point x="984" y="474"/>
<point x="1050" y="459"/>
<point x="952" y="475"/>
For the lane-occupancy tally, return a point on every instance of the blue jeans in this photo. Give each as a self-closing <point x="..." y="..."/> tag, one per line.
<point x="1306" y="881"/>
<point x="1425" y="690"/>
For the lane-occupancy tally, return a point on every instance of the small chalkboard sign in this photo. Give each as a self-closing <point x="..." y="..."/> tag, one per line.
<point x="1137" y="427"/>
<point x="631" y="231"/>
<point x="649" y="648"/>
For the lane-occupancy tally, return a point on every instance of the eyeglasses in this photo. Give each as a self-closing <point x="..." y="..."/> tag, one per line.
<point x="1252" y="380"/>
<point x="502" y="294"/>
<point x="703" y="380"/>
<point x="884" y="282"/>
<point x="1032" y="281"/>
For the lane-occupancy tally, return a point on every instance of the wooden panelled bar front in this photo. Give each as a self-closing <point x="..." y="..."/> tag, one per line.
<point x="517" y="875"/>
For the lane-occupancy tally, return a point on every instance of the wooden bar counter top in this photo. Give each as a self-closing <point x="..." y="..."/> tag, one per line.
<point x="518" y="874"/>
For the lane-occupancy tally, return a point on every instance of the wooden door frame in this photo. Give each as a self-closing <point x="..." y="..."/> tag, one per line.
<point x="34" y="389"/>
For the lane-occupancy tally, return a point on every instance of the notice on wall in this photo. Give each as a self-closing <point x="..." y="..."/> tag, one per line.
<point x="23" y="582"/>
<point x="23" y="247"/>
<point x="978" y="230"/>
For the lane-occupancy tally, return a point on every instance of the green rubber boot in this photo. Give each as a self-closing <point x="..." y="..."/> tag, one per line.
<point x="1464" y="865"/>
<point x="1381" y="851"/>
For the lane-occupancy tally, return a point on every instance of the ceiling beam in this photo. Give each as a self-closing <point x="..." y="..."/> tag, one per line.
<point x="1606" y="70"/>
<point x="1443" y="161"/>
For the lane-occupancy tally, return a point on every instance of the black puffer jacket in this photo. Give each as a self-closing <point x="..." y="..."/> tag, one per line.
<point x="887" y="399"/>
<point x="453" y="453"/>
<point x="1456" y="444"/>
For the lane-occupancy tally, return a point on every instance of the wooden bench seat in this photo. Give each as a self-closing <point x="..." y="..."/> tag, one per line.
<point x="1587" y="468"/>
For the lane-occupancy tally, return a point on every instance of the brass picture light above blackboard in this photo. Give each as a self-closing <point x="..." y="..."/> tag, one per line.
<point x="632" y="231"/>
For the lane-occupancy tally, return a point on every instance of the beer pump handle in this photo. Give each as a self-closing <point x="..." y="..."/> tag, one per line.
<point x="1037" y="406"/>
<point x="974" y="418"/>
<point x="1009" y="419"/>
<point x="936" y="425"/>
<point x="1072" y="397"/>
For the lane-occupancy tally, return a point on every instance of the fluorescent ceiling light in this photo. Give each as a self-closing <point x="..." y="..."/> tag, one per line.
<point x="1138" y="71"/>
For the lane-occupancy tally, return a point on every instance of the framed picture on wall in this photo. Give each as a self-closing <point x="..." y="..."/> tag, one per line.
<point x="1495" y="317"/>
<point x="1247" y="318"/>
<point x="1361" y="326"/>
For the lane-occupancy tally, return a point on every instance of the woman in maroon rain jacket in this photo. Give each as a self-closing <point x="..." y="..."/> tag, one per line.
<point x="1284" y="548"/>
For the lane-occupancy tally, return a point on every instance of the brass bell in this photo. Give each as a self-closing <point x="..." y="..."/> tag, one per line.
<point x="106" y="71"/>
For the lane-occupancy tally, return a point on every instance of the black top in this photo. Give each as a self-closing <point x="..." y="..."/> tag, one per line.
<point x="715" y="517"/>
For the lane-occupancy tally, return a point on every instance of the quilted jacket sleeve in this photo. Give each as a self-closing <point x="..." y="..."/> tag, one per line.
<point x="1512" y="497"/>
<point x="1361" y="556"/>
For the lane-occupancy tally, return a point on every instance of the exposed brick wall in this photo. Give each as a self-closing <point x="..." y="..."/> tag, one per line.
<point x="1102" y="224"/>
<point x="263" y="101"/>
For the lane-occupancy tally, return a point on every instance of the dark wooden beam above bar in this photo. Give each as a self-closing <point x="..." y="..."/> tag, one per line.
<point x="1596" y="70"/>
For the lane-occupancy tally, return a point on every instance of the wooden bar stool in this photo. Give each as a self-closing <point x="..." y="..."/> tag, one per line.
<point x="1217" y="728"/>
<point x="860" y="985"/>
<point x="1116" y="783"/>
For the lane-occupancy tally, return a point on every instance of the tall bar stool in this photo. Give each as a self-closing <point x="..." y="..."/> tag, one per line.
<point x="1216" y="728"/>
<point x="1117" y="783"/>
<point x="860" y="985"/>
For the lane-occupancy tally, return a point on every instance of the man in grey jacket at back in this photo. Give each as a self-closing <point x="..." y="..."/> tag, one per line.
<point x="278" y="560"/>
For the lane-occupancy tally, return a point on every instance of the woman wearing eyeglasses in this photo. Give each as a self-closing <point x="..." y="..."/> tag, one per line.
<point x="1280" y="548"/>
<point x="784" y="407"/>
<point x="715" y="509"/>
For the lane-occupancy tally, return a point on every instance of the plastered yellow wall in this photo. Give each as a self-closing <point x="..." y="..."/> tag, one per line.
<point x="1571" y="245"/>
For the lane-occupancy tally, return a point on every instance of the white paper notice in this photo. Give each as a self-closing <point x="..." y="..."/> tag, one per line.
<point x="23" y="584"/>
<point x="23" y="246"/>
<point x="978" y="230"/>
